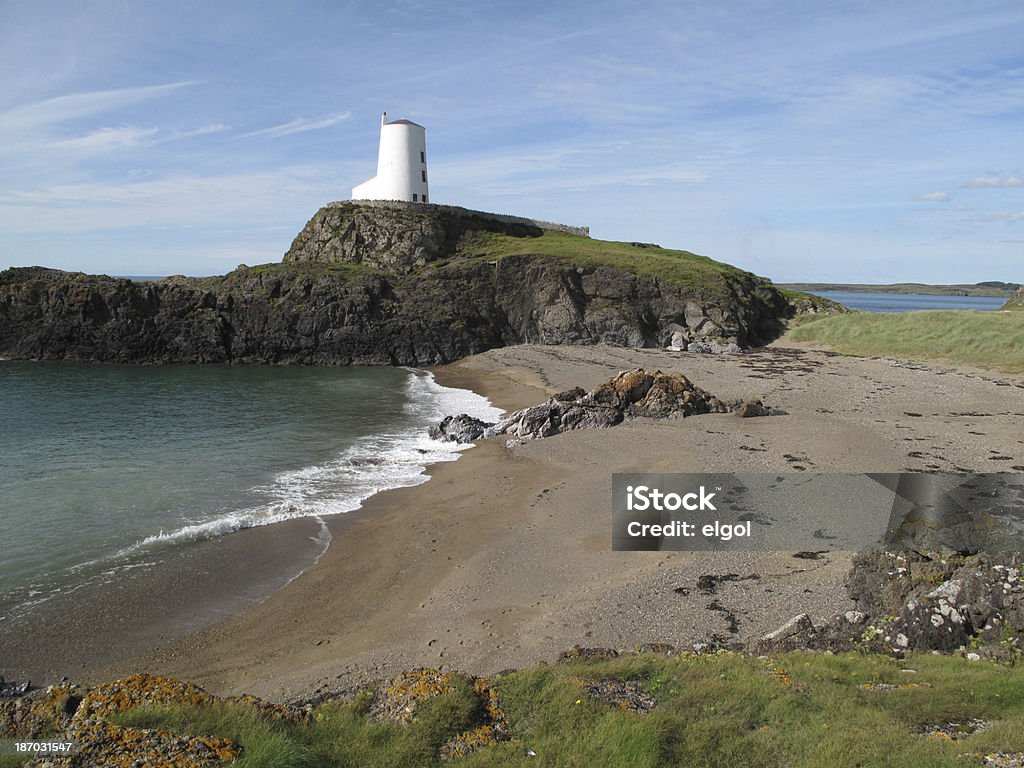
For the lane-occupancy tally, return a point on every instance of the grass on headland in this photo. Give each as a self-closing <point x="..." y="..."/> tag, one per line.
<point x="800" y="710"/>
<point x="677" y="267"/>
<point x="993" y="340"/>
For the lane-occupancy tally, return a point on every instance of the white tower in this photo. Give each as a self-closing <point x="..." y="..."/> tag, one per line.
<point x="401" y="164"/>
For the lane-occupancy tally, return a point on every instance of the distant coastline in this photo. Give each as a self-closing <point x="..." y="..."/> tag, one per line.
<point x="987" y="288"/>
<point x="864" y="301"/>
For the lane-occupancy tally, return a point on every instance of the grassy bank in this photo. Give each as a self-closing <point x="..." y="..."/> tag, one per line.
<point x="801" y="710"/>
<point x="983" y="339"/>
<point x="677" y="267"/>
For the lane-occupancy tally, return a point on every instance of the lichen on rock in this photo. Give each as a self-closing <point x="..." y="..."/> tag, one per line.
<point x="83" y="715"/>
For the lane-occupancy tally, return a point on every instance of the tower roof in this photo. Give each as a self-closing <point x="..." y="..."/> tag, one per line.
<point x="403" y="122"/>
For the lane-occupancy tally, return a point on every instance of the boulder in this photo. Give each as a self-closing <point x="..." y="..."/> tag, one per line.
<point x="797" y="630"/>
<point x="908" y="601"/>
<point x="713" y="347"/>
<point x="459" y="429"/>
<point x="629" y="395"/>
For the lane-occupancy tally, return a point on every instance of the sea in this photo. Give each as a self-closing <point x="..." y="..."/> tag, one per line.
<point x="108" y="468"/>
<point x="909" y="302"/>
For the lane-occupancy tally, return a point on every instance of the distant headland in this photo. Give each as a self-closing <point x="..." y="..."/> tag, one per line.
<point x="986" y="288"/>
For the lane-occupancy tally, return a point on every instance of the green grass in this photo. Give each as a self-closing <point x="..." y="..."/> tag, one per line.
<point x="721" y="710"/>
<point x="961" y="337"/>
<point x="677" y="267"/>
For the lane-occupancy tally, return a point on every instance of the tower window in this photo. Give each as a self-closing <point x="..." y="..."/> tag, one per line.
<point x="415" y="197"/>
<point x="424" y="174"/>
<point x="424" y="198"/>
<point x="423" y="157"/>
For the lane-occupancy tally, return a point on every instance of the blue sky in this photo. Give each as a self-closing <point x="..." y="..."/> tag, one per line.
<point x="842" y="141"/>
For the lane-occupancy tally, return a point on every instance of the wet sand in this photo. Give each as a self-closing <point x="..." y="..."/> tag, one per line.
<point x="169" y="595"/>
<point x="504" y="557"/>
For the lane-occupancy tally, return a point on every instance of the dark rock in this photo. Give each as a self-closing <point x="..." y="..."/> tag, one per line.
<point x="714" y="347"/>
<point x="395" y="237"/>
<point x="459" y="429"/>
<point x="809" y="555"/>
<point x="13" y="690"/>
<point x="809" y="304"/>
<point x="750" y="408"/>
<point x="629" y="395"/>
<point x="913" y="602"/>
<point x="570" y="395"/>
<point x="369" y="285"/>
<point x="747" y="410"/>
<point x="576" y="653"/>
<point x="955" y="513"/>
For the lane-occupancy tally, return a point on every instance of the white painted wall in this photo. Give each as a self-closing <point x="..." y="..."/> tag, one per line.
<point x="401" y="164"/>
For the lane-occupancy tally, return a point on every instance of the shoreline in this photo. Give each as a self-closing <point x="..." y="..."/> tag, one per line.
<point x="172" y="593"/>
<point x="107" y="622"/>
<point x="503" y="558"/>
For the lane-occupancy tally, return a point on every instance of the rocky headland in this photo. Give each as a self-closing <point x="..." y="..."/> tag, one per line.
<point x="398" y="284"/>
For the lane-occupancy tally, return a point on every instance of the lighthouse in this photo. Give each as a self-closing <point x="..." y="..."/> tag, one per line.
<point x="401" y="164"/>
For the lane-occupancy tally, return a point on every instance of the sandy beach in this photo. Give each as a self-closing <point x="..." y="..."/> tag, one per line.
<point x="504" y="557"/>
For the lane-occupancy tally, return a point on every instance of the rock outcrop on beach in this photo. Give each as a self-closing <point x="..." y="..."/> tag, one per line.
<point x="380" y="284"/>
<point x="635" y="394"/>
<point x="629" y="395"/>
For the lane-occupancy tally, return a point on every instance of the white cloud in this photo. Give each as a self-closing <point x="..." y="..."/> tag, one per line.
<point x="107" y="139"/>
<point x="179" y="201"/>
<point x="993" y="180"/>
<point x="48" y="112"/>
<point x="1002" y="218"/>
<point x="48" y="133"/>
<point x="203" y="130"/>
<point x="935" y="197"/>
<point x="299" y="125"/>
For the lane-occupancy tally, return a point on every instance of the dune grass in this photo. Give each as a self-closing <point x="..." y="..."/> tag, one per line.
<point x="802" y="710"/>
<point x="992" y="340"/>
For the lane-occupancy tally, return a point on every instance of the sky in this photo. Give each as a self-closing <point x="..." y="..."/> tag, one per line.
<point x="844" y="141"/>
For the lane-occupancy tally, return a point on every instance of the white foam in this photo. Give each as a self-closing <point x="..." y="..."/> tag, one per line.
<point x="374" y="463"/>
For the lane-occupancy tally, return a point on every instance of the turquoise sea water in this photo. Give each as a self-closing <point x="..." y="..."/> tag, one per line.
<point x="103" y="467"/>
<point x="909" y="302"/>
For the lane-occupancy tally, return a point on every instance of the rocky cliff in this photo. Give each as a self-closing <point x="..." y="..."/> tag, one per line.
<point x="376" y="284"/>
